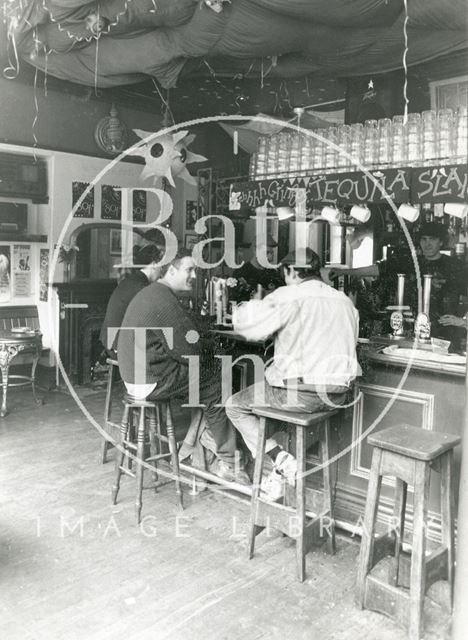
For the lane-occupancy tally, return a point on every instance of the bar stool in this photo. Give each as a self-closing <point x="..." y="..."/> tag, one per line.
<point x="110" y="425"/>
<point x="309" y="527"/>
<point x="409" y="454"/>
<point x="151" y="416"/>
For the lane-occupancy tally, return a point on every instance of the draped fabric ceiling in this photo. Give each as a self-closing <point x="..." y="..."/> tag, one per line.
<point x="279" y="38"/>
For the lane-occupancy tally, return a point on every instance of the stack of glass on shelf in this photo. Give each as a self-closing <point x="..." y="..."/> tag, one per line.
<point x="423" y="139"/>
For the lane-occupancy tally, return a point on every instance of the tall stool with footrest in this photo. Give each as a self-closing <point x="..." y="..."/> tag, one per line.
<point x="408" y="454"/>
<point x="151" y="415"/>
<point x="108" y="422"/>
<point x="309" y="527"/>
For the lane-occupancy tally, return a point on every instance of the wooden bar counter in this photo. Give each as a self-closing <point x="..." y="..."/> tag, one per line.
<point x="422" y="393"/>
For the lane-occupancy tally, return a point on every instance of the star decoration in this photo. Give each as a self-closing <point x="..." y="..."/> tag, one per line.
<point x="166" y="155"/>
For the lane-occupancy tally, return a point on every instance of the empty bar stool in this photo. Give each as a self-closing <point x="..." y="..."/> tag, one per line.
<point x="408" y="454"/>
<point x="109" y="424"/>
<point x="308" y="530"/>
<point x="151" y="416"/>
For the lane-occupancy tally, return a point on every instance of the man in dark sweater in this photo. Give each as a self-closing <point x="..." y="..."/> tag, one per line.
<point x="158" y="339"/>
<point x="137" y="279"/>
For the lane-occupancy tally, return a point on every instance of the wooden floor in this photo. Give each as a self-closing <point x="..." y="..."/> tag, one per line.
<point x="73" y="567"/>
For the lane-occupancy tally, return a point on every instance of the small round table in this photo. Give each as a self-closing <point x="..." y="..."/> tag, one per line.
<point x="11" y="344"/>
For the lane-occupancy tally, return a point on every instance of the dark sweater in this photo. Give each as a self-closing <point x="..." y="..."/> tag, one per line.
<point x="118" y="303"/>
<point x="161" y="360"/>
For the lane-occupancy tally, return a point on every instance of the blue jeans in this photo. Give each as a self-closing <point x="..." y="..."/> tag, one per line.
<point x="238" y="408"/>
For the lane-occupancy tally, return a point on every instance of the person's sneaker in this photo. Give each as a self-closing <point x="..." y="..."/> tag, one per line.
<point x="272" y="487"/>
<point x="229" y="473"/>
<point x="286" y="465"/>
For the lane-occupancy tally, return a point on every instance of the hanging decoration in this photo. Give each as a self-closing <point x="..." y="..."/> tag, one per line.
<point x="167" y="155"/>
<point x="157" y="38"/>
<point x="216" y="5"/>
<point x="110" y="133"/>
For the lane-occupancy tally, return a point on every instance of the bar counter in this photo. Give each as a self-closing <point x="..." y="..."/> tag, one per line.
<point x="392" y="391"/>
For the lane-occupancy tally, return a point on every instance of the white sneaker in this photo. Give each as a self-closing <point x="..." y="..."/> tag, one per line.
<point x="272" y="487"/>
<point x="286" y="465"/>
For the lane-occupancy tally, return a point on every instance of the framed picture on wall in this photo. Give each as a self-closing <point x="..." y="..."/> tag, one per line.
<point x="190" y="240"/>
<point x="191" y="214"/>
<point x="115" y="242"/>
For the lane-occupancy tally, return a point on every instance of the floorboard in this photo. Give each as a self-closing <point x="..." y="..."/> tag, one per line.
<point x="74" y="567"/>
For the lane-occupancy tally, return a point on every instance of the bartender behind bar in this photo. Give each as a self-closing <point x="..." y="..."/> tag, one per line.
<point x="253" y="274"/>
<point x="448" y="278"/>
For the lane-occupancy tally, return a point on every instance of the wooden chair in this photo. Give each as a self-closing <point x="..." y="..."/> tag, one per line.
<point x="151" y="416"/>
<point x="408" y="454"/>
<point x="308" y="528"/>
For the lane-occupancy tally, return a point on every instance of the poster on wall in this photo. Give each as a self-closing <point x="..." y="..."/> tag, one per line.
<point x="44" y="275"/>
<point x="22" y="271"/>
<point x="111" y="203"/>
<point x="191" y="214"/>
<point x="86" y="208"/>
<point x="5" y="273"/>
<point x="139" y="205"/>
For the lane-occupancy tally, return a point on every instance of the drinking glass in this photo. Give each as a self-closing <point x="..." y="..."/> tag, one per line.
<point x="318" y="153"/>
<point x="413" y="138"/>
<point x="344" y="142"/>
<point x="357" y="143"/>
<point x="445" y="134"/>
<point x="385" y="141"/>
<point x="371" y="135"/>
<point x="284" y="149"/>
<point x="272" y="155"/>
<point x="461" y="135"/>
<point x="295" y="152"/>
<point x="261" y="157"/>
<point x="429" y="136"/>
<point x="399" y="146"/>
<point x="330" y="149"/>
<point x="253" y="166"/>
<point x="306" y="154"/>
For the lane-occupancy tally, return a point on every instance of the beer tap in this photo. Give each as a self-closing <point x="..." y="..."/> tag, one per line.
<point x="396" y="318"/>
<point x="422" y="327"/>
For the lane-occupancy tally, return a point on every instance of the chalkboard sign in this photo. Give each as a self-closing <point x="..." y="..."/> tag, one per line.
<point x="440" y="184"/>
<point x="426" y="184"/>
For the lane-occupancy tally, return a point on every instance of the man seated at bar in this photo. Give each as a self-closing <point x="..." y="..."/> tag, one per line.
<point x="448" y="277"/>
<point x="146" y="258"/>
<point x="154" y="363"/>
<point x="252" y="272"/>
<point x="315" y="330"/>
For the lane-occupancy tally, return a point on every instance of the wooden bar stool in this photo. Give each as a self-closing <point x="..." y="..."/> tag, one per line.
<point x="308" y="528"/>
<point x="152" y="415"/>
<point x="409" y="454"/>
<point x="109" y="424"/>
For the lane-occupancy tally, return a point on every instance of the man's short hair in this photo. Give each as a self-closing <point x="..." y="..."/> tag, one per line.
<point x="307" y="268"/>
<point x="175" y="262"/>
<point x="147" y="254"/>
<point x="155" y="236"/>
<point x="433" y="230"/>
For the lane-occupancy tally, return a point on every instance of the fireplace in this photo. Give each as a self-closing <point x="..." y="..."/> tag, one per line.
<point x="83" y="305"/>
